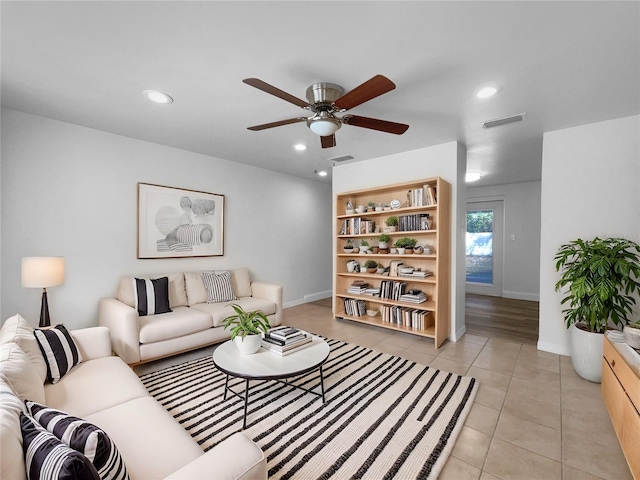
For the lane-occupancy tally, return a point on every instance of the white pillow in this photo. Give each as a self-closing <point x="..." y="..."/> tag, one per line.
<point x="20" y="374"/>
<point x="16" y="329"/>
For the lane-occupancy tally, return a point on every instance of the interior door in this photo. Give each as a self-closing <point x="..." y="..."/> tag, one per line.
<point x="484" y="247"/>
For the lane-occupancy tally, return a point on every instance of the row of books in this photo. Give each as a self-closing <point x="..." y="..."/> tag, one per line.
<point x="419" y="197"/>
<point x="392" y="289"/>
<point x="355" y="308"/>
<point x="416" y="221"/>
<point x="285" y="340"/>
<point x="357" y="226"/>
<point x="409" y="317"/>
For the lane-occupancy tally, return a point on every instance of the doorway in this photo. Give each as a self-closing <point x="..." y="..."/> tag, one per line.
<point x="484" y="245"/>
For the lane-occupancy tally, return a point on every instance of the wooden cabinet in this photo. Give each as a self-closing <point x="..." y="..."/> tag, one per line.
<point x="424" y="215"/>
<point x="621" y="393"/>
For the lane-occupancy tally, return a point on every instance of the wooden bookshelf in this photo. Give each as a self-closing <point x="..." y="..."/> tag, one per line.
<point x="436" y="286"/>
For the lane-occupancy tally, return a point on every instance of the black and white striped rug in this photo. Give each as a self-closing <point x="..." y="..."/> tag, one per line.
<point x="384" y="416"/>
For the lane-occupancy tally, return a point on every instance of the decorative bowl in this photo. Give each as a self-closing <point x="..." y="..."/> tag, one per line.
<point x="372" y="313"/>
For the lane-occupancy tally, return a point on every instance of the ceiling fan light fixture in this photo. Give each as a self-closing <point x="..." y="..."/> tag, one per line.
<point x="322" y="173"/>
<point x="488" y="91"/>
<point x="324" y="124"/>
<point x="300" y="147"/>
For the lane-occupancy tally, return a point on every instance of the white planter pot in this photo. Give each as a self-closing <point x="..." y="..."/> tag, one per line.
<point x="586" y="353"/>
<point x="384" y="245"/>
<point x="632" y="336"/>
<point x="401" y="250"/>
<point x="248" y="345"/>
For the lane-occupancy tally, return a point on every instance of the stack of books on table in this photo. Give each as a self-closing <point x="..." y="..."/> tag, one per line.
<point x="285" y="340"/>
<point x="414" y="296"/>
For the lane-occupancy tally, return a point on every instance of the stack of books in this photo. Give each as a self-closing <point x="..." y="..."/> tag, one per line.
<point x="414" y="296"/>
<point x="285" y="340"/>
<point x="416" y="273"/>
<point x="358" y="287"/>
<point x="355" y="308"/>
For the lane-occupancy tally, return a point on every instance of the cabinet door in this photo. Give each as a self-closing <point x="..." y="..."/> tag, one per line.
<point x="630" y="439"/>
<point x="613" y="396"/>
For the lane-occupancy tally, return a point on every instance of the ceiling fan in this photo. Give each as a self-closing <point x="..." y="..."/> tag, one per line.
<point x="327" y="99"/>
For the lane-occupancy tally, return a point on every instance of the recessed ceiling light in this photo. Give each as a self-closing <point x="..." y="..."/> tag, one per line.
<point x="472" y="176"/>
<point x="488" y="91"/>
<point x="157" y="97"/>
<point x="300" y="147"/>
<point x="322" y="173"/>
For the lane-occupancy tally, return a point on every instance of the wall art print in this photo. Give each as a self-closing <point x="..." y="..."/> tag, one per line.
<point x="176" y="222"/>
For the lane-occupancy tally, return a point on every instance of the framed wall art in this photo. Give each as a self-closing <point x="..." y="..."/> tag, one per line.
<point x="176" y="222"/>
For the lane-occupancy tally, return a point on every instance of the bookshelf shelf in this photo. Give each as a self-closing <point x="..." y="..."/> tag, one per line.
<point x="433" y="314"/>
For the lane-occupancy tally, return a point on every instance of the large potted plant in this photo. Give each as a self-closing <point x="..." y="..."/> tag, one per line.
<point x="598" y="280"/>
<point x="246" y="328"/>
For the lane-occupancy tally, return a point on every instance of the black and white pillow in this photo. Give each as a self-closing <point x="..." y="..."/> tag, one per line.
<point x="59" y="351"/>
<point x="83" y="437"/>
<point x="151" y="295"/>
<point x="219" y="287"/>
<point x="47" y="457"/>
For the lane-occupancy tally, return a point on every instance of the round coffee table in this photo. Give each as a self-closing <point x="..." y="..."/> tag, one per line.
<point x="265" y="365"/>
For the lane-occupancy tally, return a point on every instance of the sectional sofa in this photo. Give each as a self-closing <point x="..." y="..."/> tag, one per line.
<point x="194" y="321"/>
<point x="104" y="391"/>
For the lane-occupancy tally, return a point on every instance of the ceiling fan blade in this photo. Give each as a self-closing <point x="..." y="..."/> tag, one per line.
<point x="372" y="88"/>
<point x="375" y="124"/>
<point x="328" y="141"/>
<point x="264" y="126"/>
<point x="265" y="87"/>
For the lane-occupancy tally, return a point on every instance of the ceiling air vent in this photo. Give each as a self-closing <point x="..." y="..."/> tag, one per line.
<point x="343" y="158"/>
<point x="503" y="121"/>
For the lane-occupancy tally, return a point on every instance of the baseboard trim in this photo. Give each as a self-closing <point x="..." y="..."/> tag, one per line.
<point x="533" y="297"/>
<point x="554" y="348"/>
<point x="311" y="297"/>
<point x="457" y="335"/>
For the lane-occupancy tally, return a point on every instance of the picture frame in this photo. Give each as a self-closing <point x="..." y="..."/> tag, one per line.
<point x="178" y="222"/>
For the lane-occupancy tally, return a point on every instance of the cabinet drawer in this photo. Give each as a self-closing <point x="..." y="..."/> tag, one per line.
<point x="630" y="439"/>
<point x="628" y="379"/>
<point x="614" y="397"/>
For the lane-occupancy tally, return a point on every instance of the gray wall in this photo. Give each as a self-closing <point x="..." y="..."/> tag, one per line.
<point x="72" y="191"/>
<point x="521" y="262"/>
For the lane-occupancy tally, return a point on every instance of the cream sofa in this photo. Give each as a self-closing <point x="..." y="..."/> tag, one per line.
<point x="103" y="390"/>
<point x="192" y="323"/>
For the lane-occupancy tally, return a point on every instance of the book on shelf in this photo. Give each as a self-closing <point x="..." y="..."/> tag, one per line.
<point x="355" y="308"/>
<point x="416" y="274"/>
<point x="394" y="265"/>
<point x="406" y="316"/>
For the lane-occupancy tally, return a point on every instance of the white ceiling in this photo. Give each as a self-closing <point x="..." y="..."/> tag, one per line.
<point x="562" y="63"/>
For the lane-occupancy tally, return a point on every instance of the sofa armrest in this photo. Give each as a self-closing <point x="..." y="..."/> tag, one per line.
<point x="93" y="342"/>
<point x="122" y="322"/>
<point x="271" y="292"/>
<point x="236" y="458"/>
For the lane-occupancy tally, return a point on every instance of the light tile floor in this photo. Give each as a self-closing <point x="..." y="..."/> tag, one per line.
<point x="533" y="417"/>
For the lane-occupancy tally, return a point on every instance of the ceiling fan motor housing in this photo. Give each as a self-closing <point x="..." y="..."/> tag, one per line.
<point x="322" y="95"/>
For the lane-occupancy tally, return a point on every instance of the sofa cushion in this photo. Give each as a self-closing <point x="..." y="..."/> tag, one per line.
<point x="151" y="442"/>
<point x="83" y="437"/>
<point x="219" y="287"/>
<point x="196" y="291"/>
<point x="11" y="455"/>
<point x="220" y="311"/>
<point x="20" y="374"/>
<point x="17" y="329"/>
<point x="177" y="292"/>
<point x="241" y="279"/>
<point x="47" y="457"/>
<point x="182" y="321"/>
<point x="152" y="295"/>
<point x="59" y="351"/>
<point x="89" y="387"/>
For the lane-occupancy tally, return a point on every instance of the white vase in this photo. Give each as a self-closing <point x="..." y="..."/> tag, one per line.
<point x="248" y="345"/>
<point x="586" y="353"/>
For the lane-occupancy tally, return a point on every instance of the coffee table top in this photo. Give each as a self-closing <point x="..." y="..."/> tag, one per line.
<point x="267" y="365"/>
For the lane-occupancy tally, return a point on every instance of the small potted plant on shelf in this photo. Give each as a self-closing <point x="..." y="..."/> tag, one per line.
<point x="405" y="243"/>
<point x="598" y="280"/>
<point x="348" y="247"/>
<point x="246" y="328"/>
<point x="410" y="245"/>
<point x="364" y="246"/>
<point x="371" y="266"/>
<point x="379" y="207"/>
<point x="392" y="224"/>
<point x="374" y="248"/>
<point x="383" y="242"/>
<point x="371" y="206"/>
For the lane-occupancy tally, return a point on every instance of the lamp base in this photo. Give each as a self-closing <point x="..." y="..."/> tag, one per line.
<point x="45" y="320"/>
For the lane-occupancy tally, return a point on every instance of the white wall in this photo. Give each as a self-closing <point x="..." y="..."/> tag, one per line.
<point x="521" y="262"/>
<point x="72" y="191"/>
<point x="447" y="161"/>
<point x="590" y="187"/>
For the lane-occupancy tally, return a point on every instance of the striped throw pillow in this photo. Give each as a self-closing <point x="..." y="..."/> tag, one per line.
<point x="219" y="287"/>
<point x="83" y="437"/>
<point x="59" y="351"/>
<point x="151" y="295"/>
<point x="48" y="457"/>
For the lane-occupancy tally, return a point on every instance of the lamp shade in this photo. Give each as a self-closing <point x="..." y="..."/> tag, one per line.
<point x="42" y="272"/>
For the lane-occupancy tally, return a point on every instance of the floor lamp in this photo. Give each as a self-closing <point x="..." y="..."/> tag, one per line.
<point x="43" y="272"/>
